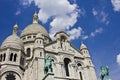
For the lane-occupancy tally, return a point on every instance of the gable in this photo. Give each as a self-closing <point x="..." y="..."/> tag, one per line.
<point x="67" y="48"/>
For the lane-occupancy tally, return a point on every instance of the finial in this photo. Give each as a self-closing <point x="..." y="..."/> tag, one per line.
<point x="35" y="17"/>
<point x="15" y="29"/>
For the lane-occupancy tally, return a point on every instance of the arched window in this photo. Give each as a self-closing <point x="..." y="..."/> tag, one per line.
<point x="28" y="52"/>
<point x="40" y="41"/>
<point x="0" y="57"/>
<point x="22" y="60"/>
<point x="10" y="76"/>
<point x="40" y="53"/>
<point x="15" y="56"/>
<point x="79" y="66"/>
<point x="66" y="62"/>
<point x="81" y="78"/>
<point x="4" y="56"/>
<point x="11" y="56"/>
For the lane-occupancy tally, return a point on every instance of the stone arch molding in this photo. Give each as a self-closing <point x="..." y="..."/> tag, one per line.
<point x="15" y="71"/>
<point x="53" y="57"/>
<point x="17" y="75"/>
<point x="69" y="57"/>
<point x="77" y="62"/>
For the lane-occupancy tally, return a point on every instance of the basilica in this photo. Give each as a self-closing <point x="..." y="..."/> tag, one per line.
<point x="34" y="56"/>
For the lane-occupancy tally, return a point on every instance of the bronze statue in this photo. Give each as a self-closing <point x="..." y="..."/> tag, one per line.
<point x="48" y="65"/>
<point x="104" y="73"/>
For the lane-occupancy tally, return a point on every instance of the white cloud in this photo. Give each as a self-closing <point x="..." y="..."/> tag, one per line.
<point x="94" y="12"/>
<point x="99" y="30"/>
<point x="84" y="37"/>
<point x="25" y="2"/>
<point x="116" y="4"/>
<point x="118" y="59"/>
<point x="63" y="14"/>
<point x="75" y="33"/>
<point x="18" y="12"/>
<point x="101" y="16"/>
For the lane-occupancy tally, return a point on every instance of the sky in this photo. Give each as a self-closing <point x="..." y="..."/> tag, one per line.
<point x="94" y="22"/>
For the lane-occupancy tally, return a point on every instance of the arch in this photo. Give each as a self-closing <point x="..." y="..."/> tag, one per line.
<point x="13" y="72"/>
<point x="15" y="57"/>
<point x="78" y="64"/>
<point x="0" y="57"/>
<point x="4" y="56"/>
<point x="81" y="77"/>
<point x="28" y="52"/>
<point x="11" y="57"/>
<point x="66" y="66"/>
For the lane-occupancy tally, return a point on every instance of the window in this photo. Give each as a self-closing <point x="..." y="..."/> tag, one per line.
<point x="28" y="52"/>
<point x="40" y="53"/>
<point x="66" y="62"/>
<point x="81" y="78"/>
<point x="79" y="66"/>
<point x="15" y="56"/>
<point x="34" y="36"/>
<point x="4" y="56"/>
<point x="24" y="38"/>
<point x="11" y="56"/>
<point x="10" y="76"/>
<point x="40" y="41"/>
<point x="0" y="57"/>
<point x="29" y="37"/>
<point x="22" y="60"/>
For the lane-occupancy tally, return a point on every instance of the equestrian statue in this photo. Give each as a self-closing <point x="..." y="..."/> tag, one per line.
<point x="48" y="65"/>
<point x="104" y="73"/>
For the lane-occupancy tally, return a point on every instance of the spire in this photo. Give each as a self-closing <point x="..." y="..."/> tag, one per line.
<point x="83" y="46"/>
<point x="15" y="29"/>
<point x="35" y="17"/>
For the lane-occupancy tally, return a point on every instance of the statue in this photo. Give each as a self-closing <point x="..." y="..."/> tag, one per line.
<point x="104" y="72"/>
<point x="48" y="65"/>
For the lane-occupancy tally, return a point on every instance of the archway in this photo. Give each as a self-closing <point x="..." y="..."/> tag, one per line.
<point x="66" y="66"/>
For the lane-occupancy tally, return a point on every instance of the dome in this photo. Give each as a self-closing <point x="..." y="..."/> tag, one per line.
<point x="39" y="35"/>
<point x="13" y="41"/>
<point x="34" y="28"/>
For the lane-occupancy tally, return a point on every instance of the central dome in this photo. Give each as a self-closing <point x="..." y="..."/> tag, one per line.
<point x="34" y="28"/>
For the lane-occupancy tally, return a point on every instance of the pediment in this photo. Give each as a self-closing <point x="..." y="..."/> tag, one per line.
<point x="55" y="47"/>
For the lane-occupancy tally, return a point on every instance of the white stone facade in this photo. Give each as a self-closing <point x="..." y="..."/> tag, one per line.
<point x="24" y="58"/>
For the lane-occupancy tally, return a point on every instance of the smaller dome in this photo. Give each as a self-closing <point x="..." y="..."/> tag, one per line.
<point x="13" y="41"/>
<point x="83" y="46"/>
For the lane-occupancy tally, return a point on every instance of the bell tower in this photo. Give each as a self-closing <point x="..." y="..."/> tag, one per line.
<point x="39" y="56"/>
<point x="89" y="67"/>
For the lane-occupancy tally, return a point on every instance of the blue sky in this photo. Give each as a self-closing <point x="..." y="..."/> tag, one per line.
<point x="95" y="22"/>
